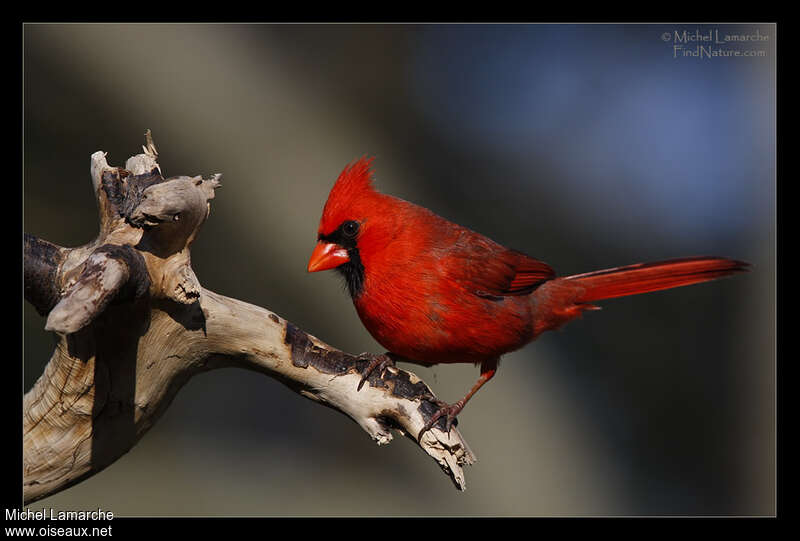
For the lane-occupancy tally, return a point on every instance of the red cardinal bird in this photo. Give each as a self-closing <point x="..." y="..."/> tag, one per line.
<point x="431" y="291"/>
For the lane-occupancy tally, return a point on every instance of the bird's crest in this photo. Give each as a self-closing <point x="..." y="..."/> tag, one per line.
<point x="351" y="188"/>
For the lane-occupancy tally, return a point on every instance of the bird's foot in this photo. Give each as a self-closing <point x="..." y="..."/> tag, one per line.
<point x="450" y="410"/>
<point x="379" y="362"/>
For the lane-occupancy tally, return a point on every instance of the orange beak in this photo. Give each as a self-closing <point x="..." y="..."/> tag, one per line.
<point x="327" y="255"/>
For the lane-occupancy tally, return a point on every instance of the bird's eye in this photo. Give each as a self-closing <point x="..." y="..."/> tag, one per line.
<point x="350" y="229"/>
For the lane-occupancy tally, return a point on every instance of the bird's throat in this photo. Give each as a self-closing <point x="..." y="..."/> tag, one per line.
<point x="353" y="273"/>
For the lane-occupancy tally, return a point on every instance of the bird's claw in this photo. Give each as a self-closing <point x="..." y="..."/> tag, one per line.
<point x="451" y="410"/>
<point x="380" y="362"/>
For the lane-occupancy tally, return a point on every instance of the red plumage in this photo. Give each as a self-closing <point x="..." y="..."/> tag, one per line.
<point x="432" y="291"/>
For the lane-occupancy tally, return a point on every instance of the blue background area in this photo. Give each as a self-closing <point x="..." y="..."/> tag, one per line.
<point x="682" y="140"/>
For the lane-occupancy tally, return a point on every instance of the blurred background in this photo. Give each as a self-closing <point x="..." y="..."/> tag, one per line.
<point x="586" y="146"/>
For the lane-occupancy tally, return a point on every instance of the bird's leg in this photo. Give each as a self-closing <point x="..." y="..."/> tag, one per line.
<point x="380" y="362"/>
<point x="488" y="368"/>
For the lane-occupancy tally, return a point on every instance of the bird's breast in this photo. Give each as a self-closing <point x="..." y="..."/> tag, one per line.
<point x="431" y="320"/>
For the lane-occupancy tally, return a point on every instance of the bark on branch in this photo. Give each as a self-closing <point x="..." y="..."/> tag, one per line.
<point x="135" y="324"/>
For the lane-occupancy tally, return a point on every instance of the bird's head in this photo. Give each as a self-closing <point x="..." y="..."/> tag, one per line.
<point x="351" y="218"/>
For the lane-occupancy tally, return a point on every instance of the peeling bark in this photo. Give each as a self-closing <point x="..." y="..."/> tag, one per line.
<point x="135" y="324"/>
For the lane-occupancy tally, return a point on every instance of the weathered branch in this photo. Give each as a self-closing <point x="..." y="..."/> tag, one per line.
<point x="135" y="324"/>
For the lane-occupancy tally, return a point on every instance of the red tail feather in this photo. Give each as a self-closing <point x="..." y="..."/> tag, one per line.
<point x="646" y="277"/>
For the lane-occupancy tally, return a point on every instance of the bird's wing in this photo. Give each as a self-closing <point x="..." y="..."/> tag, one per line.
<point x="528" y="274"/>
<point x="489" y="269"/>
